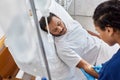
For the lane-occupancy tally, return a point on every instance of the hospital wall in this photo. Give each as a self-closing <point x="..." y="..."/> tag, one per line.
<point x="82" y="11"/>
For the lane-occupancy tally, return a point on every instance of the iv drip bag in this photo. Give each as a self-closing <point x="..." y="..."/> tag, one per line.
<point x="43" y="6"/>
<point x="21" y="37"/>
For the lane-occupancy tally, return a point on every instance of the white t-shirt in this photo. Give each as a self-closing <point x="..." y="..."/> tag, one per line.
<point x="73" y="46"/>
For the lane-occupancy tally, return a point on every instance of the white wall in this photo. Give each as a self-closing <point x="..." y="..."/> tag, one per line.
<point x="82" y="11"/>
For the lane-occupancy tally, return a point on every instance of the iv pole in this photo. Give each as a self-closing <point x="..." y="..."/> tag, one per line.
<point x="32" y="4"/>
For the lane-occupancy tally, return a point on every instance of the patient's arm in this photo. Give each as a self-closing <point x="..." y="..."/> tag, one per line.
<point x="93" y="34"/>
<point x="87" y="67"/>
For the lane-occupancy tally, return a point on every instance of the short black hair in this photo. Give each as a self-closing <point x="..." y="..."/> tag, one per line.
<point x="108" y="13"/>
<point x="43" y="23"/>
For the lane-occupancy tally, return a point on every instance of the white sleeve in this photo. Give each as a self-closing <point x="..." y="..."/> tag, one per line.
<point x="67" y="54"/>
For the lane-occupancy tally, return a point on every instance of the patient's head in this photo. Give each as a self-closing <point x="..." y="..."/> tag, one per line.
<point x="56" y="25"/>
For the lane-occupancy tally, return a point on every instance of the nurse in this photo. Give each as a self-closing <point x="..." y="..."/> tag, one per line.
<point x="107" y="22"/>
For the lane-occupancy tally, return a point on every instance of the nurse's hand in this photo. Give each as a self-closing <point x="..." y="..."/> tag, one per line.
<point x="97" y="68"/>
<point x="88" y="76"/>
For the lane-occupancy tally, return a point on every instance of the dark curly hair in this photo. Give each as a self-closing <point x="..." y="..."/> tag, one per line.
<point x="108" y="14"/>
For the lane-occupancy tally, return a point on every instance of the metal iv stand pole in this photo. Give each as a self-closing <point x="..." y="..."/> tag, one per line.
<point x="32" y="4"/>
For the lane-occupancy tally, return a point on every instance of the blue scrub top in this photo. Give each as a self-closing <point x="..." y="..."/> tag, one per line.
<point x="111" y="69"/>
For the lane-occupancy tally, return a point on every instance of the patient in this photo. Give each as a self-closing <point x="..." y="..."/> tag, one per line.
<point x="75" y="47"/>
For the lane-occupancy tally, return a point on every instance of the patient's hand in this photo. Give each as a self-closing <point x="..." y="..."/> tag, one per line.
<point x="87" y="67"/>
<point x="96" y="68"/>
